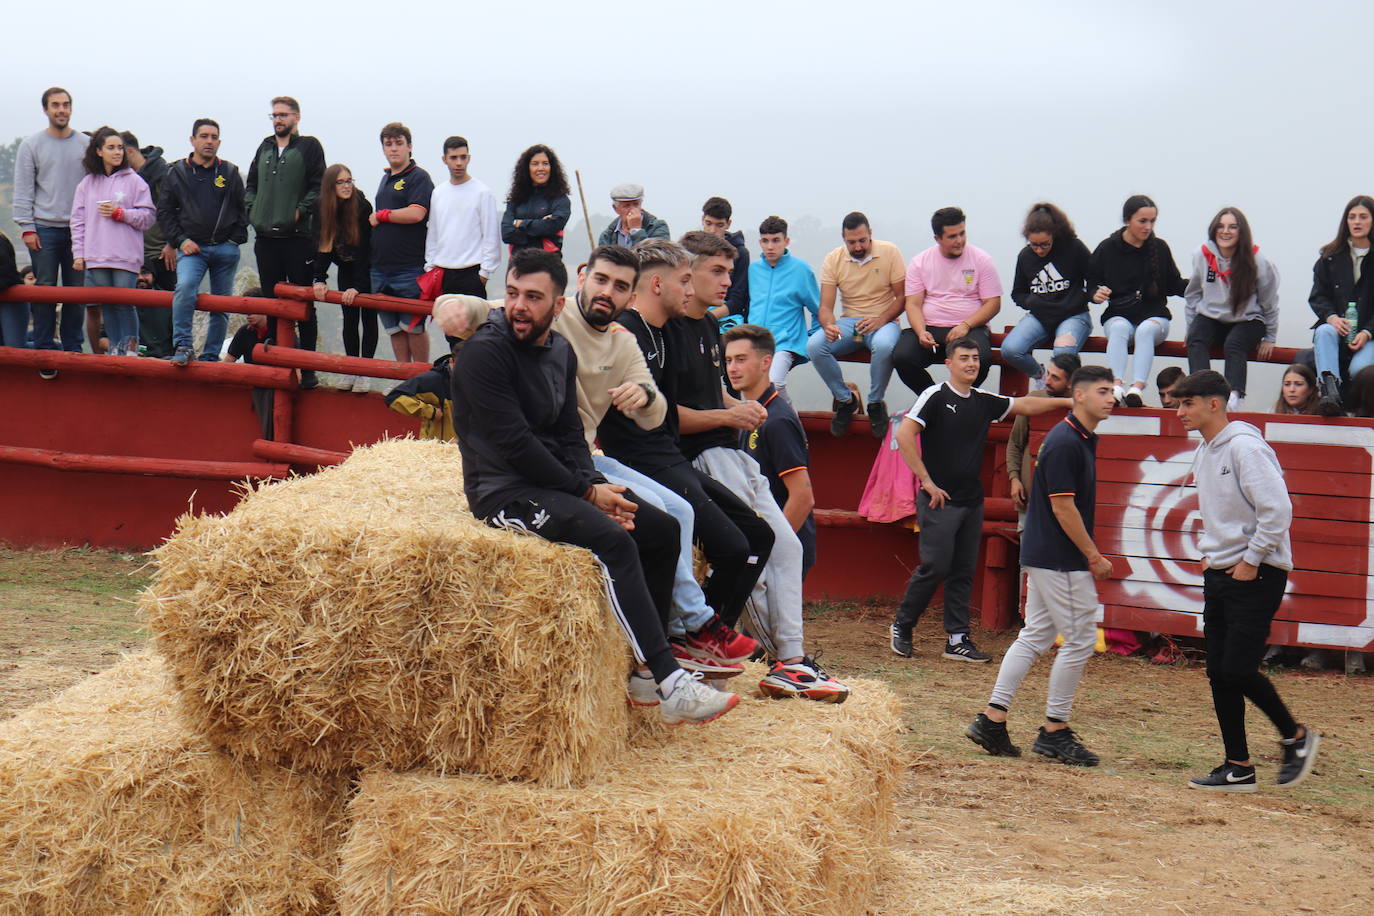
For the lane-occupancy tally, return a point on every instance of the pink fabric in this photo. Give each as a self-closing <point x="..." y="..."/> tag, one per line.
<point x="890" y="494"/>
<point x="955" y="287"/>
<point x="106" y="242"/>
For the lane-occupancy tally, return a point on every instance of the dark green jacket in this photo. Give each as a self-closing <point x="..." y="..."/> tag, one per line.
<point x="283" y="190"/>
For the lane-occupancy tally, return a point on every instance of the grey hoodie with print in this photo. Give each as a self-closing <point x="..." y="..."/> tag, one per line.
<point x="1245" y="507"/>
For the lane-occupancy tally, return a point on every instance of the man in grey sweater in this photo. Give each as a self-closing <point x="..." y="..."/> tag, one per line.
<point x="47" y="170"/>
<point x="1246" y="559"/>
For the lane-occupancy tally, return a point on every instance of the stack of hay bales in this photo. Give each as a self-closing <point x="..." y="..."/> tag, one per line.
<point x="367" y="702"/>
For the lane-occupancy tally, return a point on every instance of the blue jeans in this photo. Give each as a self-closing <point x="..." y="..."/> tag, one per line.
<point x="1327" y="345"/>
<point x="879" y="343"/>
<point x="222" y="261"/>
<point x="14" y="324"/>
<point x="1029" y="333"/>
<point x="690" y="610"/>
<point x="54" y="257"/>
<point x="1147" y="335"/>
<point x="401" y="283"/>
<point x="121" y="321"/>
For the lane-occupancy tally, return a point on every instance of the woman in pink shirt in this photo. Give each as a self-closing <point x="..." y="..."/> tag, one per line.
<point x="111" y="209"/>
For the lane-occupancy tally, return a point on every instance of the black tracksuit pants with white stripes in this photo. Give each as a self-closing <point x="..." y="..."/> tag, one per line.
<point x="638" y="565"/>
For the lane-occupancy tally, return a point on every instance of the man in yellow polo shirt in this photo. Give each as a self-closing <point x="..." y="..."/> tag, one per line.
<point x="870" y="277"/>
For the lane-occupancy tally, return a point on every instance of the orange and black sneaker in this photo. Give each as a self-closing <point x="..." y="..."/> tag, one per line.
<point x="805" y="679"/>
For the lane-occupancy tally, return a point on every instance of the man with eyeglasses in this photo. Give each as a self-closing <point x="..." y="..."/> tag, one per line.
<point x="283" y="188"/>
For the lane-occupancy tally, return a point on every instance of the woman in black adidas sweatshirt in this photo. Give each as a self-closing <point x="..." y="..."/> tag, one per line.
<point x="1051" y="284"/>
<point x="1133" y="272"/>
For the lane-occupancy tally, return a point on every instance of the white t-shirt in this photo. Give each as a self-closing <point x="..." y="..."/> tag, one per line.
<point x="464" y="228"/>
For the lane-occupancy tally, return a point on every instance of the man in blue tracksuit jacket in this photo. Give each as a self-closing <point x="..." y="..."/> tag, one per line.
<point x="782" y="289"/>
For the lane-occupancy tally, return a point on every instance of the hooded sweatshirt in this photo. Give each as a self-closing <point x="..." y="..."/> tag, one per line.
<point x="1209" y="292"/>
<point x="737" y="299"/>
<point x="1244" y="500"/>
<point x="1125" y="269"/>
<point x="779" y="299"/>
<point x="1055" y="287"/>
<point x="154" y="169"/>
<point x="112" y="241"/>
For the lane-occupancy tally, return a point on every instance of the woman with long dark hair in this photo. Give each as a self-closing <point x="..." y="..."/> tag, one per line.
<point x="538" y="206"/>
<point x="1297" y="391"/>
<point x="1133" y="272"/>
<point x="111" y="209"/>
<point x="1051" y="285"/>
<point x="343" y="237"/>
<point x="1232" y="301"/>
<point x="1338" y="281"/>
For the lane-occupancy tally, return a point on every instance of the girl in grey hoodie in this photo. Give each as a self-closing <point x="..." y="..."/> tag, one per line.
<point x="1232" y="301"/>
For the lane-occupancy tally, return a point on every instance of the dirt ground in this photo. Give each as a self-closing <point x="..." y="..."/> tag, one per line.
<point x="975" y="834"/>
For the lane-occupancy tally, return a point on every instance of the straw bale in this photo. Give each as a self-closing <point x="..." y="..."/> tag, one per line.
<point x="361" y="617"/>
<point x="109" y="804"/>
<point x="782" y="806"/>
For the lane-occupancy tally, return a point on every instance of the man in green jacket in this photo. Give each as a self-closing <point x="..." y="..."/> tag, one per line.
<point x="283" y="189"/>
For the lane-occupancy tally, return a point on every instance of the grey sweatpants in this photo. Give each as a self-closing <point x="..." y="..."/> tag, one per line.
<point x="1056" y="602"/>
<point x="774" y="609"/>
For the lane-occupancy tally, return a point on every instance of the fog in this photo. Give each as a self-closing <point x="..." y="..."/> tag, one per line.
<point x="806" y="110"/>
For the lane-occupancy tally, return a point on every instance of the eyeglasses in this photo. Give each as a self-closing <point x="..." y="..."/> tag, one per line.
<point x="344" y="182"/>
<point x="1040" y="246"/>
<point x="280" y="115"/>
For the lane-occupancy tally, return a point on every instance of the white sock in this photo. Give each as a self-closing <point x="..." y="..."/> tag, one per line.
<point x="669" y="683"/>
<point x="956" y="638"/>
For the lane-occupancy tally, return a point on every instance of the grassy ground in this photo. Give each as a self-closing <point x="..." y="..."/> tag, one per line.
<point x="975" y="834"/>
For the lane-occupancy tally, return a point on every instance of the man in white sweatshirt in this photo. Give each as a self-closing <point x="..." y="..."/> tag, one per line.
<point x="464" y="227"/>
<point x="1246" y="558"/>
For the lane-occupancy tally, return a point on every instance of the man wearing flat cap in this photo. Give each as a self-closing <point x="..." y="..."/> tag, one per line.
<point x="633" y="223"/>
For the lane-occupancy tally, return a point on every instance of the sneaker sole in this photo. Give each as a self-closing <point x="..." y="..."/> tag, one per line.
<point x="633" y="702"/>
<point x="708" y="658"/>
<point x="1240" y="788"/>
<point x="1055" y="755"/>
<point x="988" y="746"/>
<point x="964" y="658"/>
<point x="818" y="694"/>
<point x="708" y="670"/>
<point x="729" y="705"/>
<point x="1307" y="764"/>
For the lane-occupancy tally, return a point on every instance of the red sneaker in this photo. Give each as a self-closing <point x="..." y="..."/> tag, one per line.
<point x="720" y="643"/>
<point x="804" y="679"/>
<point x="708" y="667"/>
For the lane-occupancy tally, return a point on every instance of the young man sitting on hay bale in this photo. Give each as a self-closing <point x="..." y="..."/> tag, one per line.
<point x="527" y="468"/>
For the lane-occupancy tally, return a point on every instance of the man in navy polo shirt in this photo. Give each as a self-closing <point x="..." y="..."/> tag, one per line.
<point x="779" y="445"/>
<point x="1061" y="562"/>
<point x="952" y="421"/>
<point x="399" y="227"/>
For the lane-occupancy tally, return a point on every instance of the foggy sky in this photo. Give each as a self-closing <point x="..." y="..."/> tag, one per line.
<point x="800" y="109"/>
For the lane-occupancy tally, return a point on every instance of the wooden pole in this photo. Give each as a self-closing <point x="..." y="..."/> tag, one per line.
<point x="586" y="218"/>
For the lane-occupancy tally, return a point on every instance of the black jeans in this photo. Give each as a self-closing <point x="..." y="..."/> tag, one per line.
<point x="637" y="565"/>
<point x="466" y="281"/>
<point x="1237" y="340"/>
<point x="911" y="360"/>
<point x="949" y="554"/>
<point x="1235" y="622"/>
<point x="288" y="261"/>
<point x="353" y="316"/>
<point x="735" y="540"/>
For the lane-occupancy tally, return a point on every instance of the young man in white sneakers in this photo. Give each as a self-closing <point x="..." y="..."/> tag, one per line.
<point x="1246" y="558"/>
<point x="1061" y="562"/>
<point x="526" y="467"/>
<point x="952" y="422"/>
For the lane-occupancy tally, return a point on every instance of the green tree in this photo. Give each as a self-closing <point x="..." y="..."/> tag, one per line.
<point x="8" y="153"/>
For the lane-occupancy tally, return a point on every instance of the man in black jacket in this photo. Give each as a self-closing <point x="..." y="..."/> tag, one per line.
<point x="159" y="260"/>
<point x="715" y="219"/>
<point x="203" y="217"/>
<point x="283" y="189"/>
<point x="526" y="467"/>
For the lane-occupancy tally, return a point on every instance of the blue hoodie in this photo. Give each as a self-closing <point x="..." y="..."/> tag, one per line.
<point x="780" y="297"/>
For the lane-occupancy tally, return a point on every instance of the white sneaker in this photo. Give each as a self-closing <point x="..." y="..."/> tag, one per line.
<point x="643" y="691"/>
<point x="1234" y="403"/>
<point x="693" y="701"/>
<point x="347" y="382"/>
<point x="1119" y="393"/>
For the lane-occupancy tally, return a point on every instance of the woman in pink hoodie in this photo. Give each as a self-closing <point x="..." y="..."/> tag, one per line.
<point x="111" y="209"/>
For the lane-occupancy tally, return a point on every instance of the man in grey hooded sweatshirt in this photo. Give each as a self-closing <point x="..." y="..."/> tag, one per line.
<point x="1246" y="559"/>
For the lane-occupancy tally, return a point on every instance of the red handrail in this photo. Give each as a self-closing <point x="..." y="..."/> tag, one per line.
<point x="109" y="295"/>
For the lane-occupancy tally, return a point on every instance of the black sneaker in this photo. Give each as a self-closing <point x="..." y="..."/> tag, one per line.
<point x="1133" y="398"/>
<point x="1226" y="778"/>
<point x="901" y="640"/>
<point x="965" y="651"/>
<point x="309" y="379"/>
<point x="1329" y="391"/>
<point x="878" y="419"/>
<point x="991" y="736"/>
<point x="182" y="357"/>
<point x="1299" y="755"/>
<point x="48" y="374"/>
<point x="1063" y="745"/>
<point x="844" y="413"/>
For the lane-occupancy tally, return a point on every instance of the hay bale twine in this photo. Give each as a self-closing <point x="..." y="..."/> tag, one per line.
<point x="779" y="807"/>
<point x="361" y="617"/>
<point x="110" y="804"/>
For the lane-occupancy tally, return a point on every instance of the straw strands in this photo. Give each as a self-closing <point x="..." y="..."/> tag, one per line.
<point x="780" y="806"/>
<point x="361" y="617"/>
<point x="108" y="804"/>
